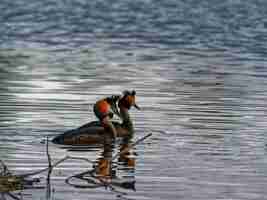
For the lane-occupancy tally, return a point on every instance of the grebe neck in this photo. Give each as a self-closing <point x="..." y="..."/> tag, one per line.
<point x="126" y="119"/>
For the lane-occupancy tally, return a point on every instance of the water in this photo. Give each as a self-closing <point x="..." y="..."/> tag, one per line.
<point x="199" y="69"/>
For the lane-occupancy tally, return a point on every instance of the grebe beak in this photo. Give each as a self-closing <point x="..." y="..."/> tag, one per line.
<point x="137" y="107"/>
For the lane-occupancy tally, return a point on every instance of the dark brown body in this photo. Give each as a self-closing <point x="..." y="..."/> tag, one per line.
<point x="90" y="133"/>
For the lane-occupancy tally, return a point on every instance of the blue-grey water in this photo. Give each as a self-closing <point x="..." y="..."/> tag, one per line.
<point x="200" y="72"/>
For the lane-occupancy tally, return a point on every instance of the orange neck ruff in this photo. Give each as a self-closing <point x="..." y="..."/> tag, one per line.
<point x="103" y="106"/>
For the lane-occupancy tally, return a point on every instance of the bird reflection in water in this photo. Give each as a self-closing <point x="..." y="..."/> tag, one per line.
<point x="105" y="171"/>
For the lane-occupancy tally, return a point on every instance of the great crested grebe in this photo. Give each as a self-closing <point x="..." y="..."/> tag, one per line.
<point x="94" y="133"/>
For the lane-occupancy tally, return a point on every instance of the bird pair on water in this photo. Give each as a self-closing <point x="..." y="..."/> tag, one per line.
<point x="98" y="131"/>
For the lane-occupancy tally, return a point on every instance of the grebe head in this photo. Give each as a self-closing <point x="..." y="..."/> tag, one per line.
<point x="125" y="104"/>
<point x="128" y="100"/>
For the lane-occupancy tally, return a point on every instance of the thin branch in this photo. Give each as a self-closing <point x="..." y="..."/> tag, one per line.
<point x="131" y="146"/>
<point x="48" y="186"/>
<point x="45" y="169"/>
<point x="54" y="165"/>
<point x="48" y="155"/>
<point x="12" y="196"/>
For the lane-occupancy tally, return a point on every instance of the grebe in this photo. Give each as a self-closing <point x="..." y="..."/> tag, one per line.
<point x="94" y="133"/>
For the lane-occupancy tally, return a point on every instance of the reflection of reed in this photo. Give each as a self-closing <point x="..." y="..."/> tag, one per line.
<point x="101" y="175"/>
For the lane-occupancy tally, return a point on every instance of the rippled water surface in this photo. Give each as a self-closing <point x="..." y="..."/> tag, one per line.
<point x="199" y="70"/>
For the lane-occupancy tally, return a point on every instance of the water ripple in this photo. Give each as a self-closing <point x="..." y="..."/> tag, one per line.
<point x="199" y="73"/>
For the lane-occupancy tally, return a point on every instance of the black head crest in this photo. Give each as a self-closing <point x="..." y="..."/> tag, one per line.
<point x="127" y="92"/>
